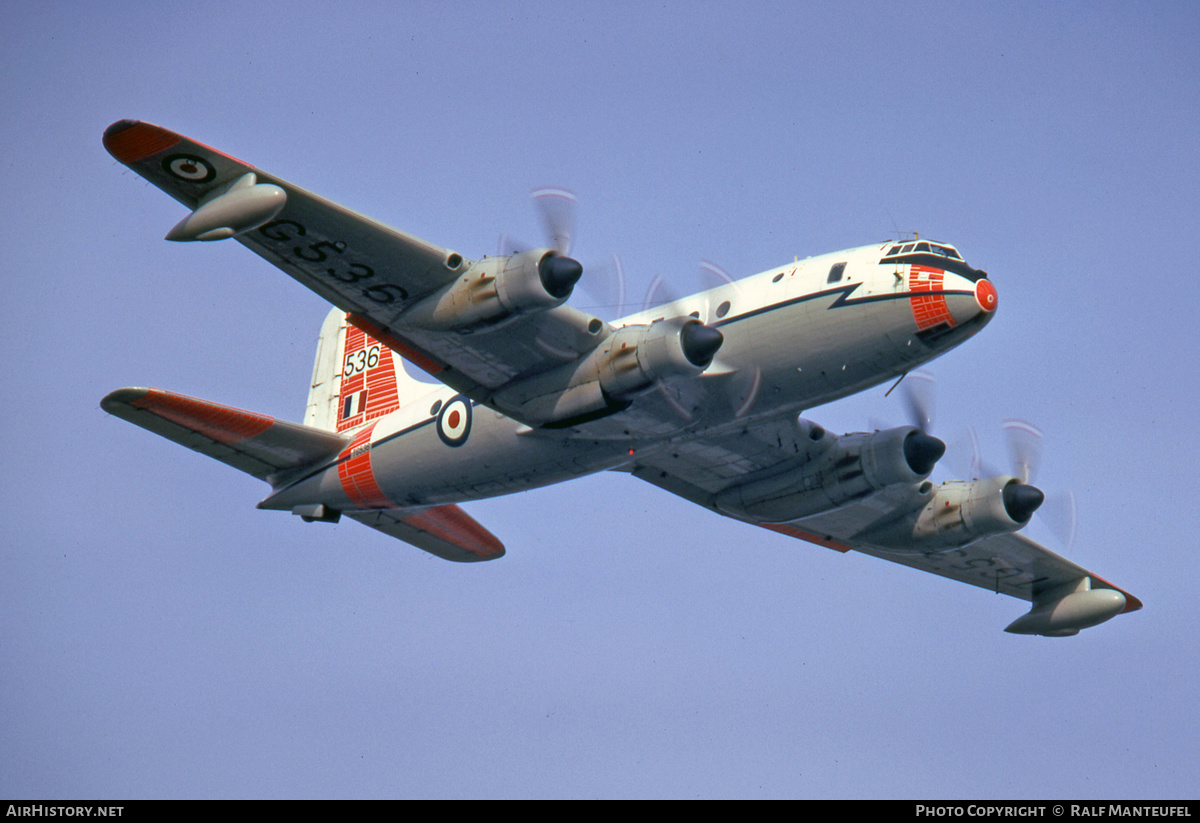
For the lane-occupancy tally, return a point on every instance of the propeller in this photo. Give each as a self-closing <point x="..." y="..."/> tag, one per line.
<point x="743" y="385"/>
<point x="556" y="209"/>
<point x="922" y="450"/>
<point x="1025" y="440"/>
<point x="1022" y="499"/>
<point x="1025" y="447"/>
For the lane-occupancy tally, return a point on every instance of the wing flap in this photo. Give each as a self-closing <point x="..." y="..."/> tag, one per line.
<point x="261" y="446"/>
<point x="445" y="531"/>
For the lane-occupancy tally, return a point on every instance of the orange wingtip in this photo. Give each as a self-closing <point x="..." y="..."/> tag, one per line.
<point x="130" y="140"/>
<point x="455" y="526"/>
<point x="1132" y="604"/>
<point x="223" y="424"/>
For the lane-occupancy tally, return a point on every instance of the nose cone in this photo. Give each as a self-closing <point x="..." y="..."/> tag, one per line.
<point x="559" y="274"/>
<point x="922" y="451"/>
<point x="971" y="303"/>
<point x="985" y="295"/>
<point x="700" y="343"/>
<point x="1021" y="501"/>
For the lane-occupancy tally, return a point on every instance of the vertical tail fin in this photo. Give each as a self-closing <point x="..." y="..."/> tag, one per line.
<point x="356" y="378"/>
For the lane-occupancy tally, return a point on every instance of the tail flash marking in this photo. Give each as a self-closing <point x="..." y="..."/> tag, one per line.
<point x="357" y="476"/>
<point x="368" y="387"/>
<point x="222" y="424"/>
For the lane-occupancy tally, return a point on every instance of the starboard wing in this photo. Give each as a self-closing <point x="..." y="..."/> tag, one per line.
<point x="371" y="271"/>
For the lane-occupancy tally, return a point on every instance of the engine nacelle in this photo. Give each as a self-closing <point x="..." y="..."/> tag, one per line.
<point x="837" y="471"/>
<point x="497" y="289"/>
<point x="961" y="512"/>
<point x="626" y="364"/>
<point x="637" y="356"/>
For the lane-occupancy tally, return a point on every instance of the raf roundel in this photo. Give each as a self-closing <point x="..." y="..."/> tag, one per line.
<point x="189" y="167"/>
<point x="454" y="421"/>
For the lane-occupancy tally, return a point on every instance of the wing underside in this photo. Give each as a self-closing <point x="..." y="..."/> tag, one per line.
<point x="446" y="531"/>
<point x="371" y="271"/>
<point x="262" y="446"/>
<point x="1007" y="563"/>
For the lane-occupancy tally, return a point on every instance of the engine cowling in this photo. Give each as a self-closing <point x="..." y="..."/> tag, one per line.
<point x="497" y="289"/>
<point x="961" y="512"/>
<point x="837" y="471"/>
<point x="629" y="362"/>
<point x="638" y="356"/>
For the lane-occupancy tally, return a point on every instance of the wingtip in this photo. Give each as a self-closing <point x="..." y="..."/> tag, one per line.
<point x="132" y="140"/>
<point x="122" y="397"/>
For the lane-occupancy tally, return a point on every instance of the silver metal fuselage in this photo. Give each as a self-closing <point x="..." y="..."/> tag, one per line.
<point x="794" y="338"/>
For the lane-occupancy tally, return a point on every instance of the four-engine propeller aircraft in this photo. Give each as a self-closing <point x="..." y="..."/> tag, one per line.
<point x="700" y="397"/>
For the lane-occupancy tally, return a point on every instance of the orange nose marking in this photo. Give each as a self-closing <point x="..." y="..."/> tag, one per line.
<point x="985" y="294"/>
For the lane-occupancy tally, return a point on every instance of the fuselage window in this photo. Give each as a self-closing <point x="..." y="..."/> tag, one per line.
<point x="723" y="309"/>
<point x="835" y="272"/>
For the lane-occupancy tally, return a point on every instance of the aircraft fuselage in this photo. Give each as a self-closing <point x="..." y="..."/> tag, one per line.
<point x="796" y="336"/>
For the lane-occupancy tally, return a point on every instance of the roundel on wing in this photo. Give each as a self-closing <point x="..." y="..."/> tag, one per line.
<point x="454" y="421"/>
<point x="189" y="167"/>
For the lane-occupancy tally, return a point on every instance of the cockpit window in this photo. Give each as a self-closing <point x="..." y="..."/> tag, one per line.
<point x="835" y="272"/>
<point x="927" y="253"/>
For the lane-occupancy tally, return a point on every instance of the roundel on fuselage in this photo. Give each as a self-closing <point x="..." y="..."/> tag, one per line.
<point x="454" y="421"/>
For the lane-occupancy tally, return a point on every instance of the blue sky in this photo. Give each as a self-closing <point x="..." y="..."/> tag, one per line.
<point x="162" y="638"/>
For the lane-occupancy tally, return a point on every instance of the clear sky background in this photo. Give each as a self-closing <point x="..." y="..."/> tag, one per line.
<point x="159" y="637"/>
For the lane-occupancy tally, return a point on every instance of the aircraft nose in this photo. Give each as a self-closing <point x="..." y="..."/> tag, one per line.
<point x="985" y="295"/>
<point x="970" y="301"/>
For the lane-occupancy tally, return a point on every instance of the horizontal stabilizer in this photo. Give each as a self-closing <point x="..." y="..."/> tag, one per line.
<point x="262" y="446"/>
<point x="447" y="531"/>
